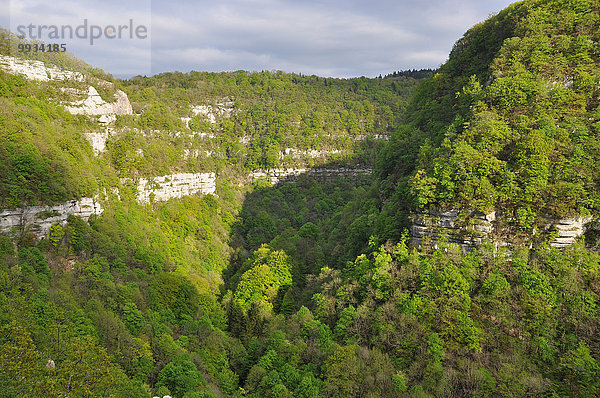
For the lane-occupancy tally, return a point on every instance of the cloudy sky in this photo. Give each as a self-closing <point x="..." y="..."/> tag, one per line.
<point x="339" y="38"/>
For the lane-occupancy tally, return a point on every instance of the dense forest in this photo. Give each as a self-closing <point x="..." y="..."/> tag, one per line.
<point x="310" y="287"/>
<point x="272" y="111"/>
<point x="511" y="120"/>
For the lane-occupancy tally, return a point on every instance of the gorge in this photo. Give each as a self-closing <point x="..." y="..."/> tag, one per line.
<point x="272" y="234"/>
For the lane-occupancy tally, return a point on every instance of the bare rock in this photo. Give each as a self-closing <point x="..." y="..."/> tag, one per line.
<point x="274" y="176"/>
<point x="213" y="113"/>
<point x="174" y="186"/>
<point x="39" y="219"/>
<point x="97" y="140"/>
<point x="467" y="230"/>
<point x="568" y="230"/>
<point x="473" y="228"/>
<point x="93" y="104"/>
<point x="37" y="70"/>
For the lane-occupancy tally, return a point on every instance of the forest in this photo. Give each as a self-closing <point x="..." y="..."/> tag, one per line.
<point x="311" y="287"/>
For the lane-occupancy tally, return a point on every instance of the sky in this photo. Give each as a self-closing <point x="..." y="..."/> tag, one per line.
<point x="336" y="38"/>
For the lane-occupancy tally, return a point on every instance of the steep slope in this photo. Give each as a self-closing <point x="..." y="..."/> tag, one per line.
<point x="266" y="120"/>
<point x="510" y="123"/>
<point x="111" y="265"/>
<point x="306" y="288"/>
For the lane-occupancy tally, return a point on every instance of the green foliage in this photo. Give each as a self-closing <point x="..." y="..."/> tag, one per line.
<point x="180" y="376"/>
<point x="343" y="376"/>
<point x="44" y="158"/>
<point x="209" y="296"/>
<point x="78" y="234"/>
<point x="272" y="110"/>
<point x="18" y="360"/>
<point x="173" y="292"/>
<point x="34" y="262"/>
<point x="513" y="143"/>
<point x="268" y="272"/>
<point x="579" y="373"/>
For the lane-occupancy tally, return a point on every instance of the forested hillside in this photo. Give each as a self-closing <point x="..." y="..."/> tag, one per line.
<point x="510" y="122"/>
<point x="310" y="287"/>
<point x="252" y="118"/>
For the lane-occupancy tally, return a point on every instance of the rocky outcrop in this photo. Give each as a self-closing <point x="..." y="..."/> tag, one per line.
<point x="212" y="113"/>
<point x="466" y="230"/>
<point x="567" y="230"/>
<point x="97" y="140"/>
<point x="39" y="219"/>
<point x="310" y="153"/>
<point x="197" y="153"/>
<point x="163" y="188"/>
<point x="364" y="137"/>
<point x="469" y="228"/>
<point x="275" y="176"/>
<point x="93" y="104"/>
<point x="37" y="70"/>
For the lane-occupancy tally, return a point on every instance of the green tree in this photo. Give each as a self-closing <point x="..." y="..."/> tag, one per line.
<point x="269" y="271"/>
<point x="180" y="376"/>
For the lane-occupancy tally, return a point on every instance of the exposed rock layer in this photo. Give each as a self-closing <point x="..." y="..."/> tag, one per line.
<point x="275" y="176"/>
<point x="93" y="104"/>
<point x="36" y="70"/>
<point x="212" y="113"/>
<point x="567" y="230"/>
<point x="469" y="228"/>
<point x="97" y="140"/>
<point x="174" y="186"/>
<point x="39" y="219"/>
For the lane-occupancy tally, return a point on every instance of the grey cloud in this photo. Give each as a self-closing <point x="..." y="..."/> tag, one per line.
<point x="340" y="38"/>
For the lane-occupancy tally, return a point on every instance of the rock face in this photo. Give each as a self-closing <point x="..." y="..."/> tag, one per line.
<point x="469" y="228"/>
<point x="311" y="153"/>
<point x="95" y="105"/>
<point x="174" y="186"/>
<point x="364" y="137"/>
<point x="36" y="70"/>
<point x="98" y="140"/>
<point x="196" y="153"/>
<point x="275" y="176"/>
<point x="39" y="219"/>
<point x="212" y="113"/>
<point x="466" y="231"/>
<point x="567" y="230"/>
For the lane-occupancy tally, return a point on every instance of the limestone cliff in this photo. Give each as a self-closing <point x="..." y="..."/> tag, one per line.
<point x="469" y="228"/>
<point x="275" y="176"/>
<point x="39" y="219"/>
<point x="212" y="113"/>
<point x="93" y="104"/>
<point x="567" y="230"/>
<point x="37" y="70"/>
<point x="98" y="140"/>
<point x="174" y="186"/>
